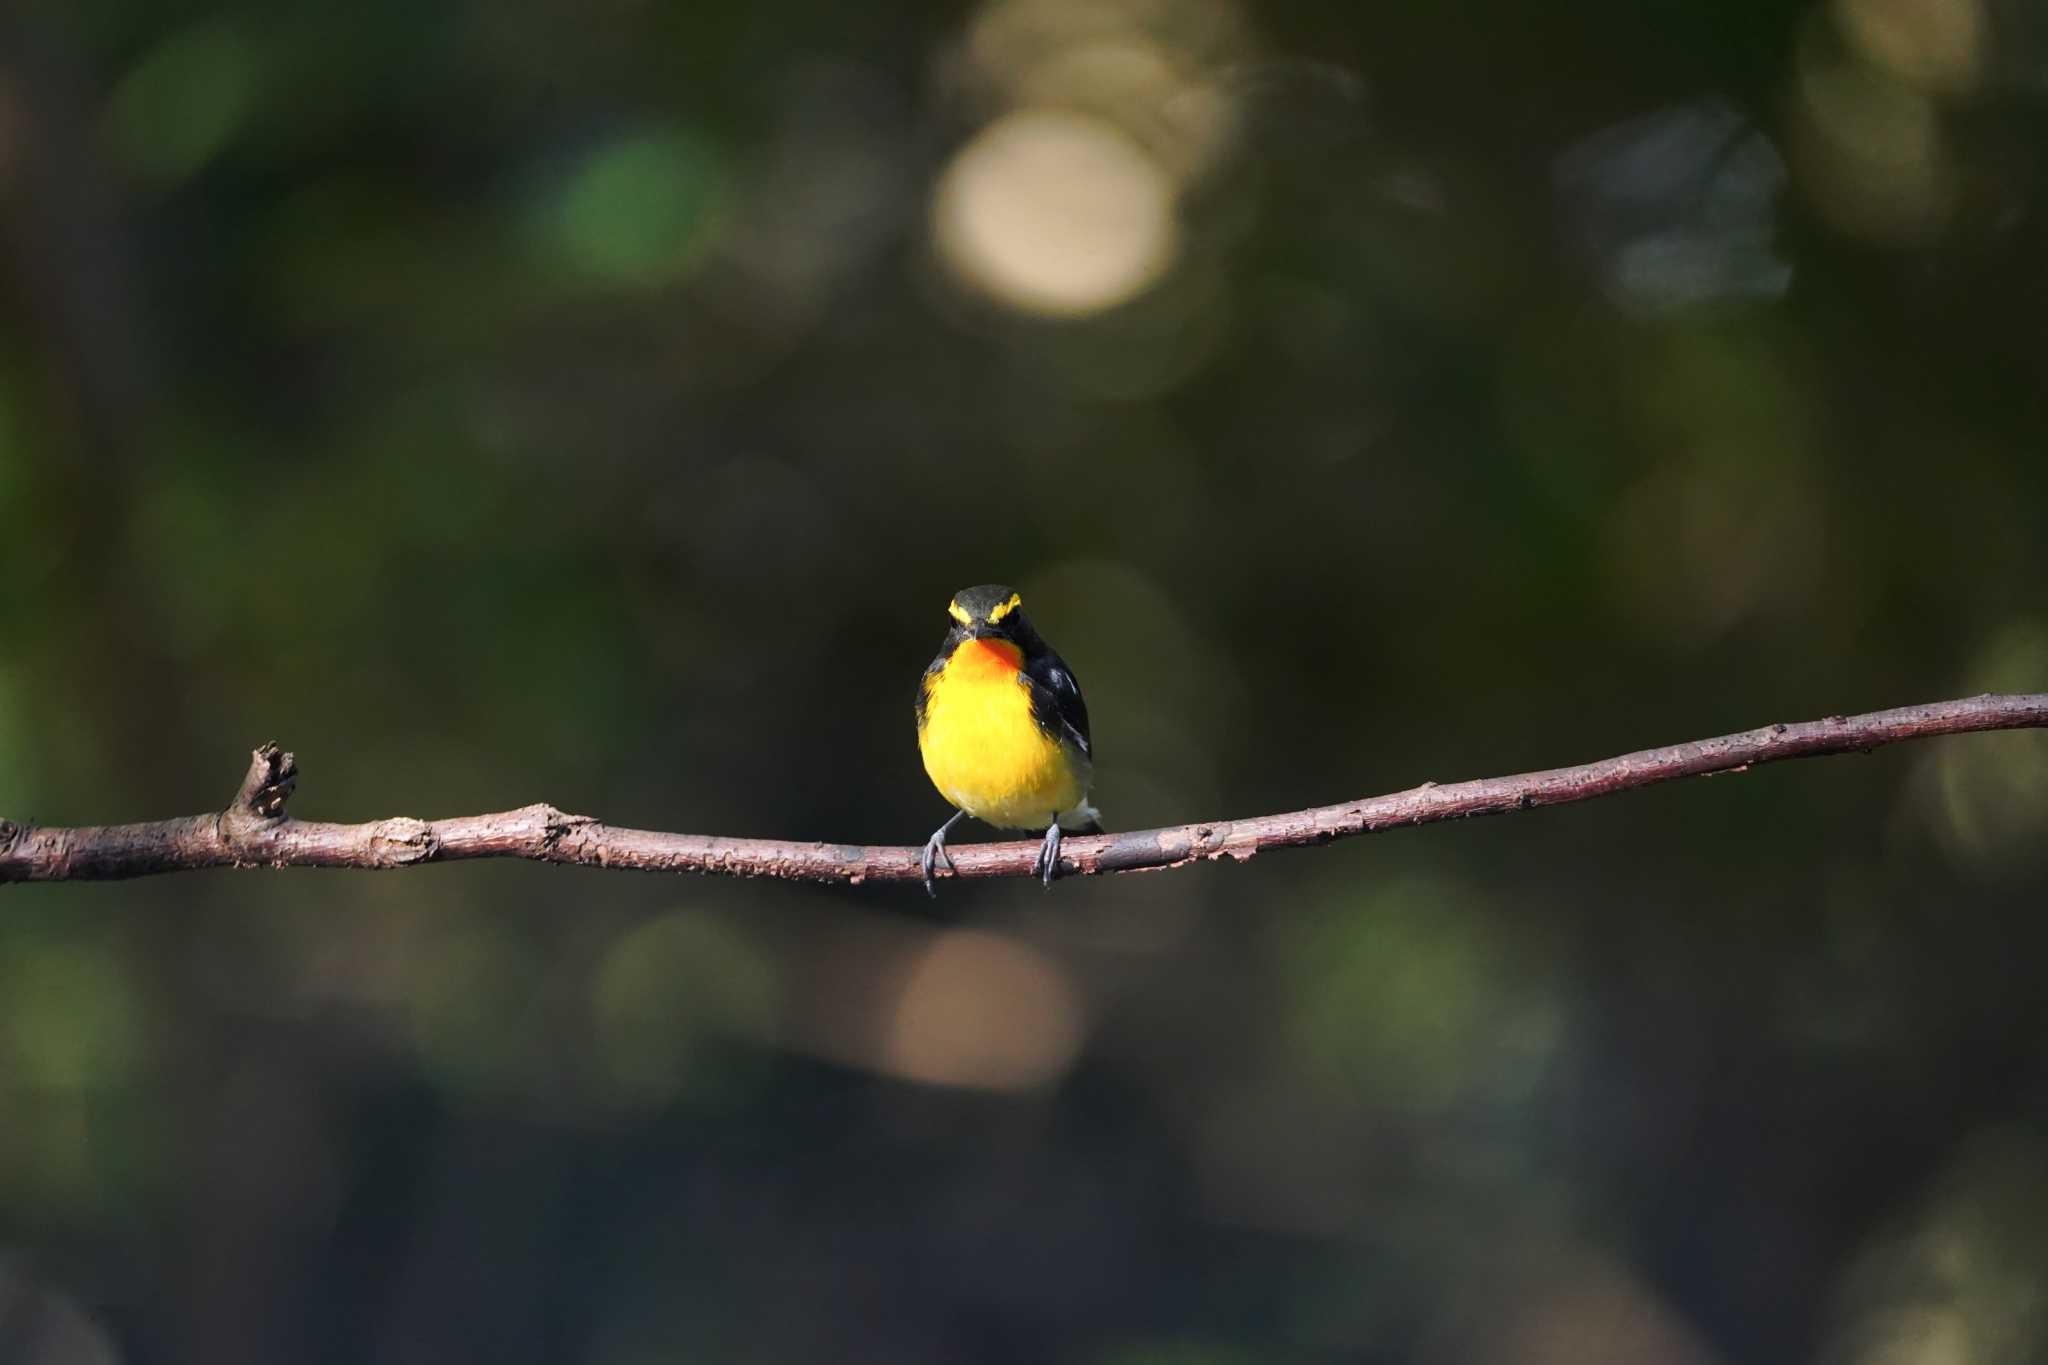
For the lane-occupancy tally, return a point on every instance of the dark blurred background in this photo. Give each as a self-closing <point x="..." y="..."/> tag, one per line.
<point x="599" y="403"/>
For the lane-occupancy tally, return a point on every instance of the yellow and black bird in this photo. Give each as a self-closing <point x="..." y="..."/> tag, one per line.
<point x="1003" y="729"/>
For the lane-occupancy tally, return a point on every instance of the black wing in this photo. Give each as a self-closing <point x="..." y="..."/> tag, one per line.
<point x="1056" y="700"/>
<point x="925" y="683"/>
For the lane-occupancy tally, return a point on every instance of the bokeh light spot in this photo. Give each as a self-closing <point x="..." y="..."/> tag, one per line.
<point x="1403" y="995"/>
<point x="66" y="1021"/>
<point x="1993" y="789"/>
<point x="178" y="107"/>
<point x="1055" y="213"/>
<point x="1935" y="44"/>
<point x="668" y="987"/>
<point x="1678" y="209"/>
<point x="479" y="1020"/>
<point x="1957" y="1280"/>
<point x="639" y="211"/>
<point x="981" y="1010"/>
<point x="1871" y="150"/>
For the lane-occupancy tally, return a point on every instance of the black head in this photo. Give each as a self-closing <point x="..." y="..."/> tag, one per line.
<point x="989" y="610"/>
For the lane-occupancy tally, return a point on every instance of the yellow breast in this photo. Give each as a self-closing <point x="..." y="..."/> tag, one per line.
<point x="983" y="751"/>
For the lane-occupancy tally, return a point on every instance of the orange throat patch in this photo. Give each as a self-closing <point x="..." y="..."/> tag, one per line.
<point x="985" y="661"/>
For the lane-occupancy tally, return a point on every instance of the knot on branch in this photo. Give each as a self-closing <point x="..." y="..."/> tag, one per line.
<point x="265" y="789"/>
<point x="9" y="832"/>
<point x="402" y="840"/>
<point x="555" y="824"/>
<point x="268" y="785"/>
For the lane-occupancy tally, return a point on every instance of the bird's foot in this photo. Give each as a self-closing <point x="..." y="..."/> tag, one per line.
<point x="934" y="850"/>
<point x="1048" y="864"/>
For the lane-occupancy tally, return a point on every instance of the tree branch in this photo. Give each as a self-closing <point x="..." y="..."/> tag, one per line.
<point x="255" y="831"/>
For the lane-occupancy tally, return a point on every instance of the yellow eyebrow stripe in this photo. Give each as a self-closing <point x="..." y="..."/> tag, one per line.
<point x="959" y="613"/>
<point x="1005" y="609"/>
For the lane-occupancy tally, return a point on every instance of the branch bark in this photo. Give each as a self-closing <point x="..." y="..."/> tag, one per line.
<point x="255" y="831"/>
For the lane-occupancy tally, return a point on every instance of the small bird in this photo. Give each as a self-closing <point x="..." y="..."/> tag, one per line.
<point x="1003" y="729"/>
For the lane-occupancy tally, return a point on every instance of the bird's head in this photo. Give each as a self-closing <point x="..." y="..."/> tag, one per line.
<point x="990" y="611"/>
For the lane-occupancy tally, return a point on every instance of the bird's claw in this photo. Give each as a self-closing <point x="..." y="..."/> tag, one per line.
<point x="1048" y="865"/>
<point x="934" y="851"/>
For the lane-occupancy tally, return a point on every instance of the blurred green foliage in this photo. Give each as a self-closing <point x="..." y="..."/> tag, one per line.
<point x="599" y="405"/>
